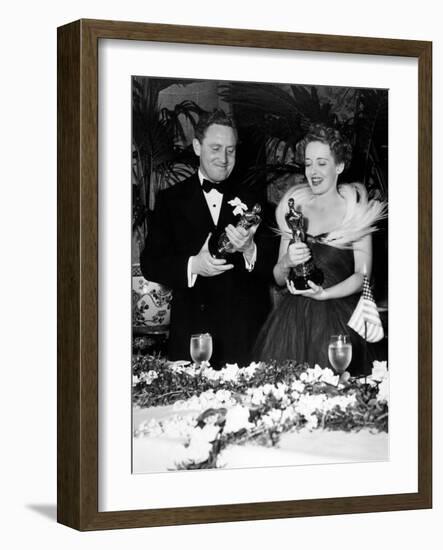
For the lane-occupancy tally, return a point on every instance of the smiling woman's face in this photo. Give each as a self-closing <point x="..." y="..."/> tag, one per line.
<point x="320" y="167"/>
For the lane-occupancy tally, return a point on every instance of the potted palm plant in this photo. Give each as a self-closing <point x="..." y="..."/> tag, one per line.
<point x="160" y="158"/>
<point x="274" y="117"/>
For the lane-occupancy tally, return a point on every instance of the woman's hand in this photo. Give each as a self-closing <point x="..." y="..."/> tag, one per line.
<point x="315" y="292"/>
<point x="298" y="253"/>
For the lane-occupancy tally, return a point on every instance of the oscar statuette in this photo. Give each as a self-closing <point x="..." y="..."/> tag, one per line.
<point x="300" y="274"/>
<point x="219" y="244"/>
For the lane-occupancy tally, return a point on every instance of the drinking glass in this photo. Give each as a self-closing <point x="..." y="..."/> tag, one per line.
<point x="201" y="348"/>
<point x="340" y="352"/>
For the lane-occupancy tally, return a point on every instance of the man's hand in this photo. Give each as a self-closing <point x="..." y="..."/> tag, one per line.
<point x="242" y="239"/>
<point x="205" y="265"/>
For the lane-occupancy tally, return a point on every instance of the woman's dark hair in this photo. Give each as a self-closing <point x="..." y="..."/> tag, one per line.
<point x="340" y="147"/>
<point x="217" y="116"/>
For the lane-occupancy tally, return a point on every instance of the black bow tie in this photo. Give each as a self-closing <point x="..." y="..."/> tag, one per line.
<point x="208" y="185"/>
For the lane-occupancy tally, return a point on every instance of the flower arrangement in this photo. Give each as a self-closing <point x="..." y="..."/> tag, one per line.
<point x="258" y="403"/>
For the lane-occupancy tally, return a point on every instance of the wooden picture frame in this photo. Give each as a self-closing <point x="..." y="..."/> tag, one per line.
<point x="78" y="466"/>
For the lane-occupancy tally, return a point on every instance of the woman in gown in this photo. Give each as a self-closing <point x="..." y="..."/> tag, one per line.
<point x="339" y="222"/>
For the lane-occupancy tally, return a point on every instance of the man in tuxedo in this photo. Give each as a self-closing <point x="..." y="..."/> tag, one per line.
<point x="227" y="298"/>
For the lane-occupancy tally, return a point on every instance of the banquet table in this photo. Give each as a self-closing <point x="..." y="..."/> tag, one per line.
<point x="303" y="447"/>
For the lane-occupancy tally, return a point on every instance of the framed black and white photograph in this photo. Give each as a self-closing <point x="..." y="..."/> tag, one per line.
<point x="262" y="381"/>
<point x="237" y="337"/>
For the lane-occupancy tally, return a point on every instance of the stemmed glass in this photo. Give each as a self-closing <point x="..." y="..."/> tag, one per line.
<point x="340" y="353"/>
<point x="201" y="348"/>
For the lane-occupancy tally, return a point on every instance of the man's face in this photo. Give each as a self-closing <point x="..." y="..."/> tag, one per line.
<point x="216" y="152"/>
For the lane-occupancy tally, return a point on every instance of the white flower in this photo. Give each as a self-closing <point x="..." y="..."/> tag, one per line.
<point x="230" y="372"/>
<point x="256" y="396"/>
<point x="340" y="401"/>
<point x="280" y="391"/>
<point x="237" y="418"/>
<point x="248" y="372"/>
<point x="267" y="389"/>
<point x="311" y="422"/>
<point x="182" y="366"/>
<point x="194" y="369"/>
<point x="148" y="377"/>
<point x="317" y="372"/>
<point x="288" y="414"/>
<point x="211" y="374"/>
<point x="178" y="427"/>
<point x="240" y="207"/>
<point x="200" y="443"/>
<point x="206" y="399"/>
<point x="223" y="397"/>
<point x="297" y="386"/>
<point x="383" y="390"/>
<point x="208" y="433"/>
<point x="329" y="377"/>
<point x="174" y="427"/>
<point x="197" y="451"/>
<point x="273" y="418"/>
<point x="308" y="404"/>
<point x="379" y="371"/>
<point x="135" y="380"/>
<point x="151" y="428"/>
<point x="275" y="414"/>
<point x="311" y="375"/>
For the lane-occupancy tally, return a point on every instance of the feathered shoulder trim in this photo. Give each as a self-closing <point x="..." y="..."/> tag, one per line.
<point x="360" y="219"/>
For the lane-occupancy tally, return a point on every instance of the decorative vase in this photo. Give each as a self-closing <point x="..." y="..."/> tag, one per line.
<point x="151" y="304"/>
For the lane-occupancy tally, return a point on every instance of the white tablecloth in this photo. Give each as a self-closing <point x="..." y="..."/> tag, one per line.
<point x="159" y="454"/>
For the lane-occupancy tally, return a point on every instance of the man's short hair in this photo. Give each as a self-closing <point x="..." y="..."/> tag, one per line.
<point x="217" y="116"/>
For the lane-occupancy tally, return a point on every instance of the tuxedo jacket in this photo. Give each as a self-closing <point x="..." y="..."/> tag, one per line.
<point x="231" y="306"/>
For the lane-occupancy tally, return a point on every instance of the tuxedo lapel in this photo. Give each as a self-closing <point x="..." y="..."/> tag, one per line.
<point x="195" y="208"/>
<point x="226" y="216"/>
